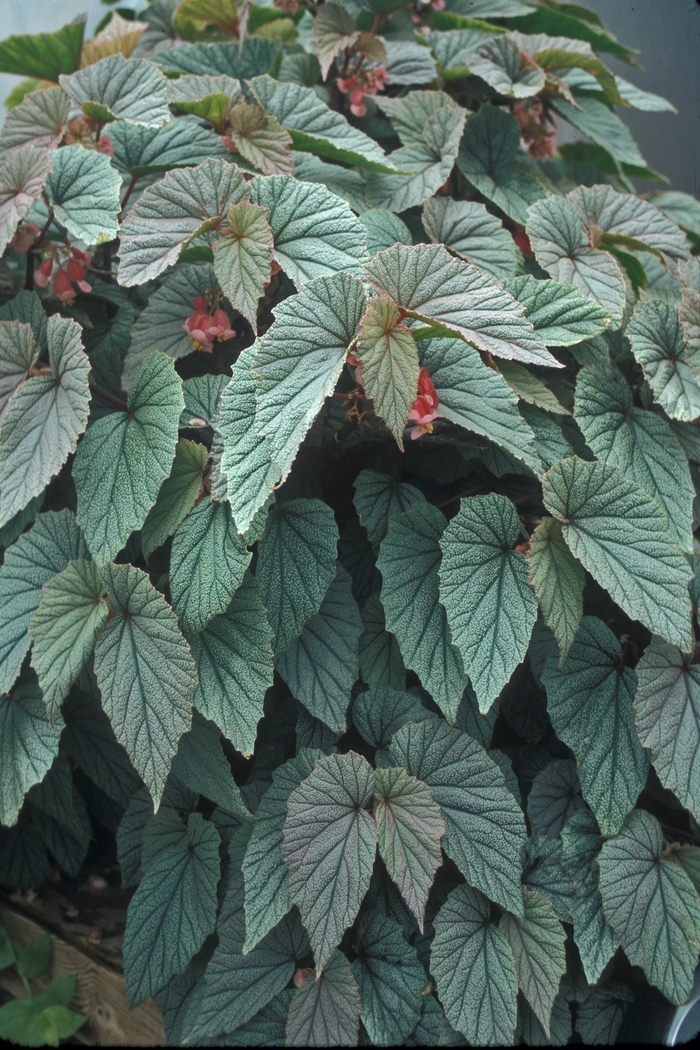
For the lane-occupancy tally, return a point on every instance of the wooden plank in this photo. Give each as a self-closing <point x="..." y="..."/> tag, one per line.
<point x="100" y="993"/>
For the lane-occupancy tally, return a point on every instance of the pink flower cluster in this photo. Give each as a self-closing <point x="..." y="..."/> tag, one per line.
<point x="72" y="272"/>
<point x="203" y="327"/>
<point x="367" y="82"/>
<point x="538" y="134"/>
<point x="24" y="237"/>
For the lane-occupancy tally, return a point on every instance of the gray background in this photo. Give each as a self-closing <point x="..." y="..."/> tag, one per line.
<point x="667" y="32"/>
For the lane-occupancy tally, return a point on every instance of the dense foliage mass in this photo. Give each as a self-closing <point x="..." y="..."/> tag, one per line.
<point x="348" y="456"/>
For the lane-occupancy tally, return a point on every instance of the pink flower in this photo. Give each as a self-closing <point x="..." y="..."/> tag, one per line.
<point x="43" y="273"/>
<point x="201" y="303"/>
<point x="355" y="363"/>
<point x="62" y="287"/>
<point x="221" y="326"/>
<point x="24" y="237"/>
<point x="347" y="85"/>
<point x="76" y="273"/>
<point x="197" y="327"/>
<point x="105" y="146"/>
<point x="424" y="409"/>
<point x="438" y="5"/>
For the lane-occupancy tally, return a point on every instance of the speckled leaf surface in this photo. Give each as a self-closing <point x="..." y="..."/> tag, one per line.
<point x="621" y="536"/>
<point x="409" y="561"/>
<point x="28" y="744"/>
<point x="329" y="843"/>
<point x="44" y="419"/>
<point x="474" y="969"/>
<point x="145" y="673"/>
<point x="29" y="564"/>
<point x="126" y="456"/>
<point x="491" y="607"/>
<point x="326" y="1012"/>
<point x="83" y="189"/>
<point x="651" y="905"/>
<point x="485" y="825"/>
<point x="589" y="699"/>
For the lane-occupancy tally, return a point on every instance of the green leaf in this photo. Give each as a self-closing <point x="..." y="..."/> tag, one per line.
<point x="22" y="176"/>
<point x="378" y="713"/>
<point x="233" y="655"/>
<point x="383" y="229"/>
<point x="474" y="969"/>
<point x="26" y="307"/>
<point x="298" y="534"/>
<point x="652" y="906"/>
<point x="600" y="1014"/>
<point x="667" y="708"/>
<point x="559" y="313"/>
<point x="491" y="159"/>
<point x="389" y="357"/>
<point x="209" y="96"/>
<point x="176" y="495"/>
<point x="333" y="31"/>
<point x="558" y="580"/>
<point x="554" y="797"/>
<point x="268" y="1026"/>
<point x="246" y="455"/>
<point x="347" y="183"/>
<point x="430" y="155"/>
<point x="315" y="127"/>
<point x="381" y="664"/>
<point x="326" y="1012"/>
<point x="201" y="764"/>
<point x="478" y="397"/>
<point x="322" y="664"/>
<point x="171" y="213"/>
<point x="140" y="151"/>
<point x="237" y="986"/>
<point x="207" y="564"/>
<point x="537" y="943"/>
<point x="29" y="564"/>
<point x="409" y="561"/>
<point x="252" y="58"/>
<point x="378" y="498"/>
<point x="44" y="55"/>
<point x="620" y="535"/>
<point x="329" y="845"/>
<point x="145" y="673"/>
<point x="298" y="361"/>
<point x="43" y="420"/>
<point x="390" y="979"/>
<point x="491" y="608"/>
<point x="172" y="911"/>
<point x="267" y="898"/>
<point x="38" y="120"/>
<point x="594" y="938"/>
<point x="485" y="824"/>
<point x="18" y="352"/>
<point x="602" y="126"/>
<point x="658" y="343"/>
<point x="315" y="232"/>
<point x="451" y="295"/>
<point x="409" y="829"/>
<point x="473" y="233"/>
<point x="640" y="443"/>
<point x="589" y="699"/>
<point x="126" y="456"/>
<point x="544" y="874"/>
<point x="83" y="189"/>
<point x="118" y="88"/>
<point x="65" y="627"/>
<point x="242" y="258"/>
<point x="261" y="140"/>
<point x="560" y="242"/>
<point x="160" y="327"/>
<point x="498" y="61"/>
<point x="89" y="740"/>
<point x="40" y="1020"/>
<point x="28" y="744"/>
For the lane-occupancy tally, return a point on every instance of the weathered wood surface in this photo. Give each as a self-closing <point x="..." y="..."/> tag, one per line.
<point x="100" y="993"/>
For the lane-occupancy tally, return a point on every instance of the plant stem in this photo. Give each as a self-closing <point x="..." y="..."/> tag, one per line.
<point x="112" y="399"/>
